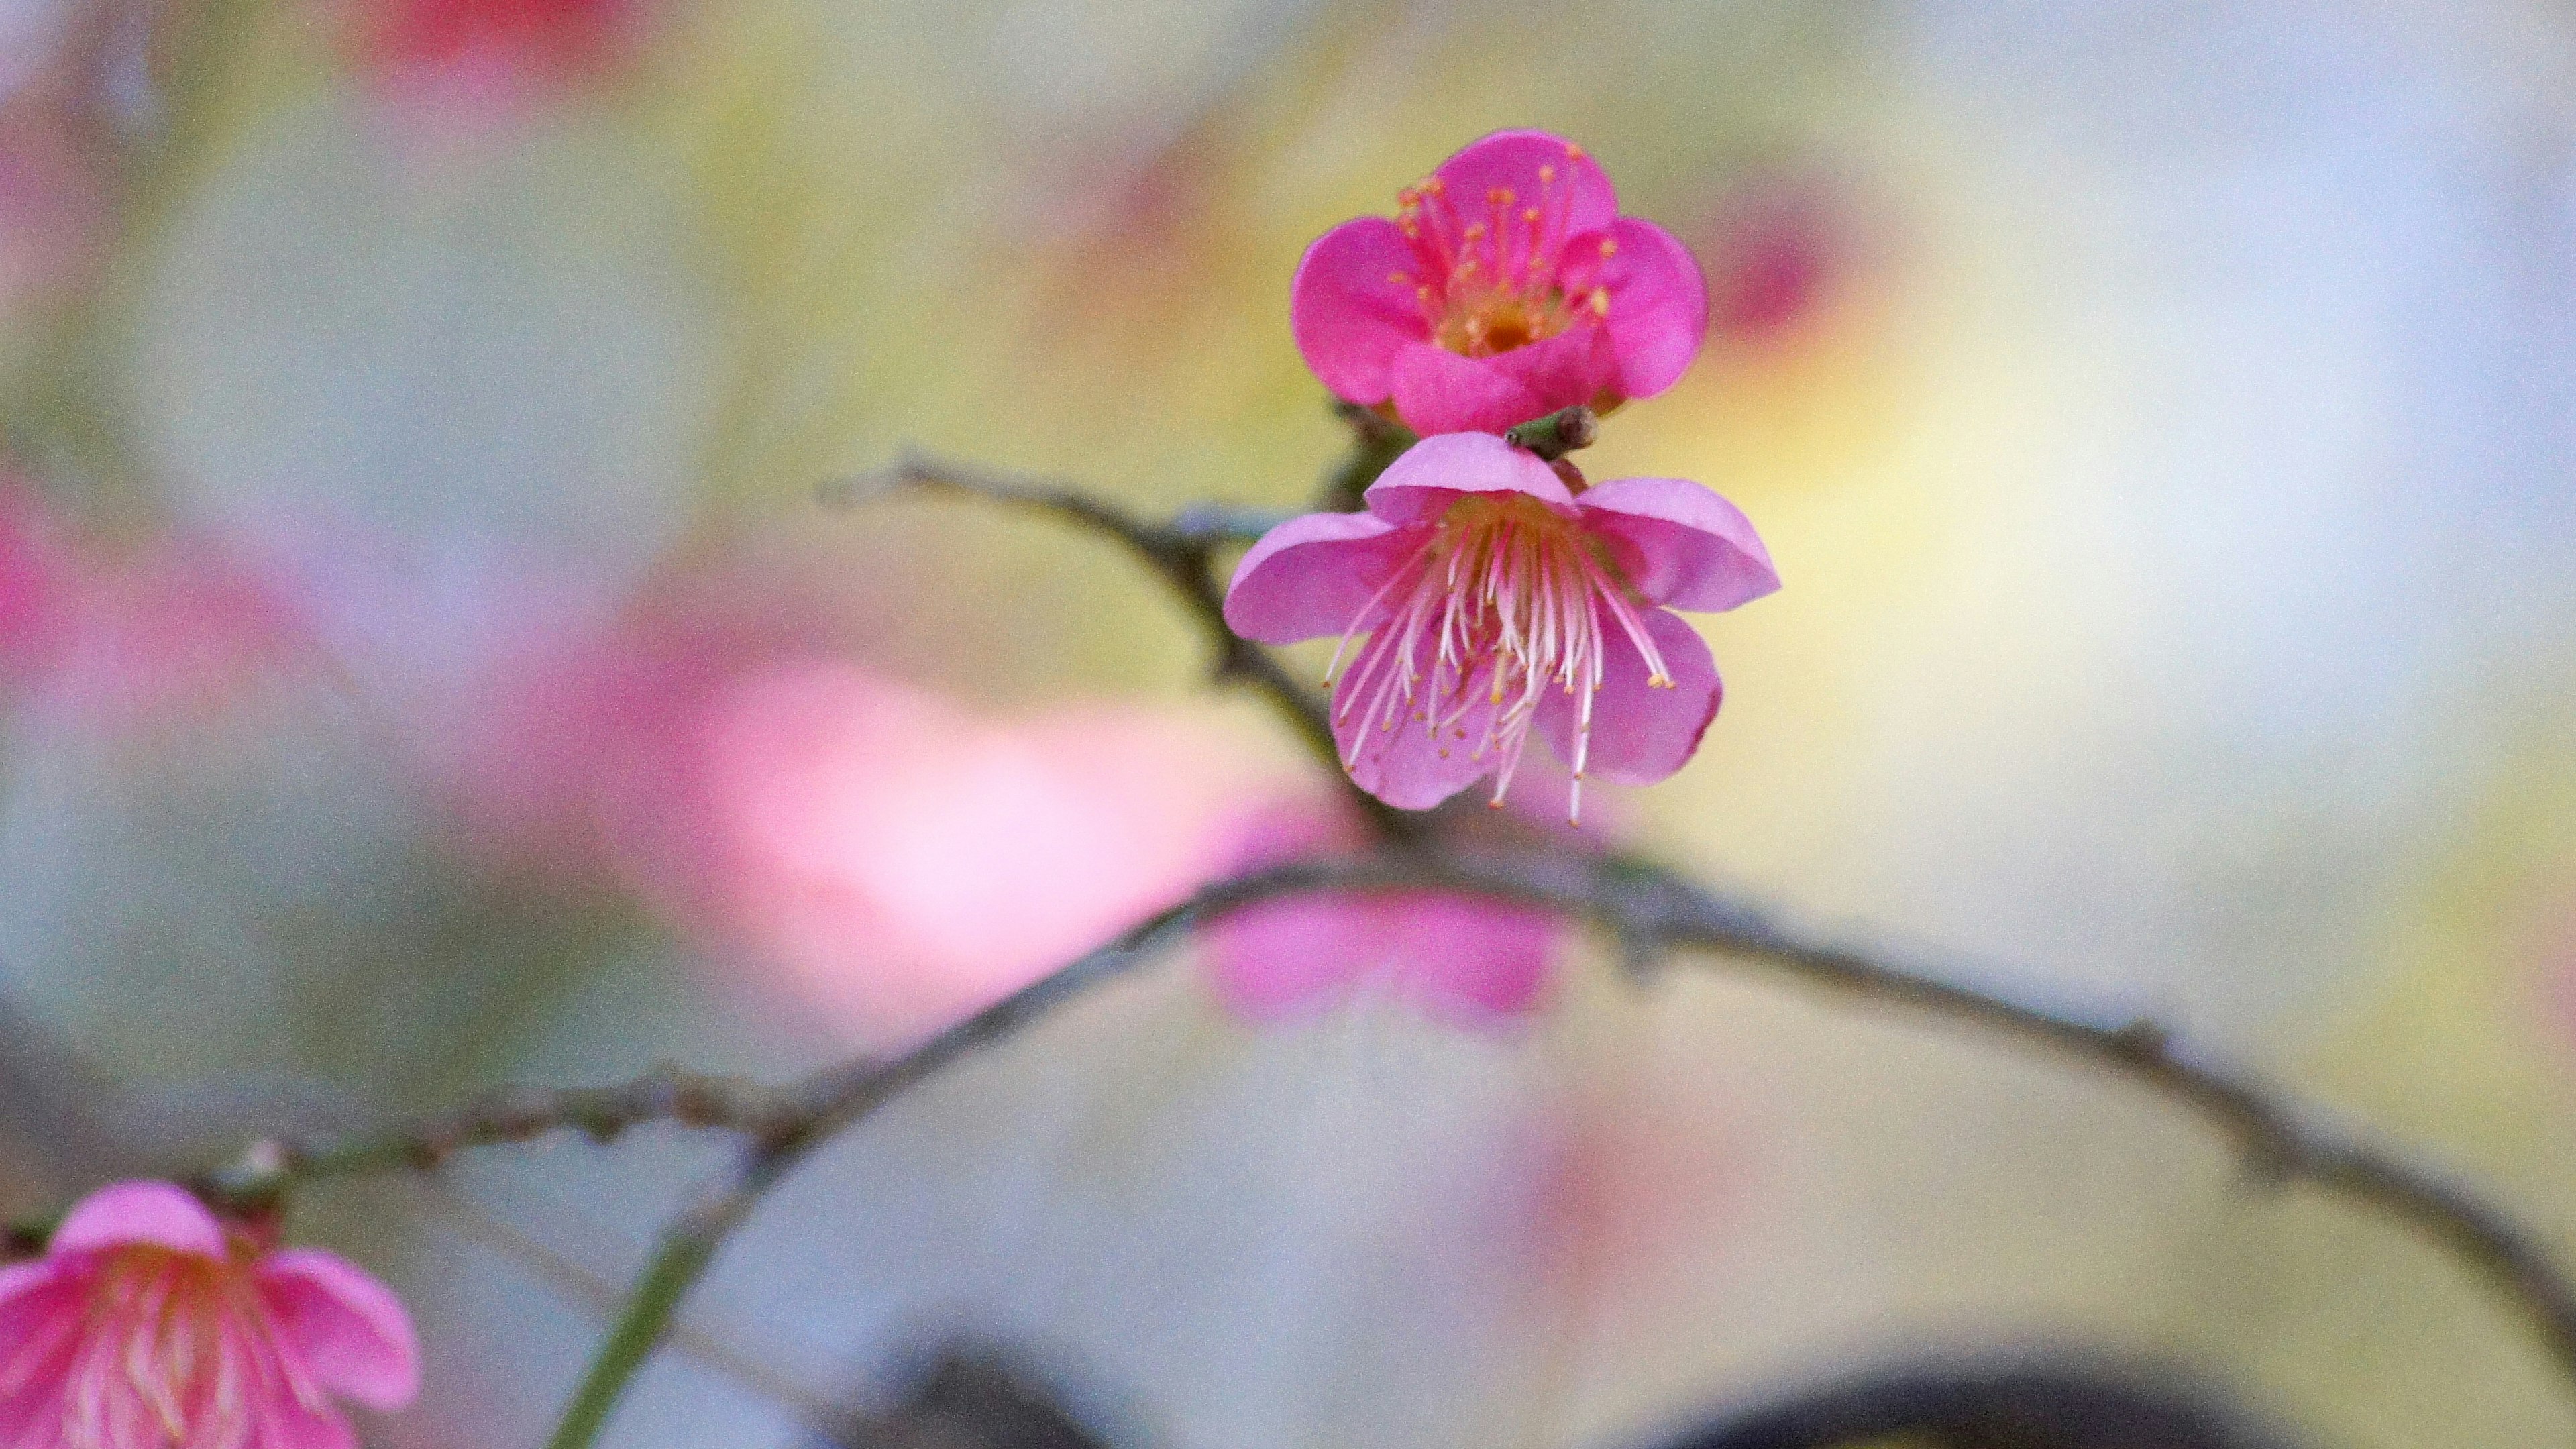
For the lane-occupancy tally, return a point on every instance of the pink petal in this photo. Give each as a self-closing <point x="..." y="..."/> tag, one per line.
<point x="1404" y="765"/>
<point x="139" y="1212"/>
<point x="1285" y="960"/>
<point x="286" y="1424"/>
<point x="1438" y="391"/>
<point x="1580" y="365"/>
<point x="1469" y="961"/>
<point x="1641" y="735"/>
<point x="1512" y="159"/>
<point x="1658" y="305"/>
<point x="44" y="1310"/>
<point x="350" y="1330"/>
<point x="1420" y="486"/>
<point x="1311" y="575"/>
<point x="1680" y="544"/>
<point x="1349" y="313"/>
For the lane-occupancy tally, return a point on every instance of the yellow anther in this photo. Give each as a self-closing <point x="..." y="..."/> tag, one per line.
<point x="1546" y="174"/>
<point x="1530" y="215"/>
<point x="1475" y="230"/>
<point x="1501" y="196"/>
<point x="1601" y="301"/>
<point x="1609" y="248"/>
<point x="1399" y="279"/>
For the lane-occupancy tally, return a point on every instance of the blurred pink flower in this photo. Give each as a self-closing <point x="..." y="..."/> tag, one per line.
<point x="1507" y="286"/>
<point x="1497" y="599"/>
<point x="1459" y="959"/>
<point x="476" y="56"/>
<point x="147" y="1325"/>
<point x="1775" y="247"/>
<point x="121" y="637"/>
<point x="905" y="862"/>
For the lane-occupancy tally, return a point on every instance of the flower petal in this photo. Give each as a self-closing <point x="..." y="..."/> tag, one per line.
<point x="1312" y="575"/>
<point x="140" y="1212"/>
<point x="1679" y="543"/>
<point x="1471" y="962"/>
<point x="1288" y="959"/>
<point x="1418" y="487"/>
<point x="350" y="1330"/>
<point x="1512" y="159"/>
<point x="1402" y="762"/>
<point x="1439" y="391"/>
<point x="1349" y="313"/>
<point x="286" y="1424"/>
<point x="1639" y="734"/>
<point x="1579" y="365"/>
<point x="1658" y="304"/>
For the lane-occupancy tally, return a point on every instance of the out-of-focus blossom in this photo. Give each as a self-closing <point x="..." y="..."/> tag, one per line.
<point x="1459" y="959"/>
<point x="1775" y="247"/>
<point x="1507" y="286"/>
<point x="478" y="55"/>
<point x="149" y="1325"/>
<point x="905" y="862"/>
<point x="118" y="637"/>
<point x="1497" y="598"/>
<point x="1612" y="1182"/>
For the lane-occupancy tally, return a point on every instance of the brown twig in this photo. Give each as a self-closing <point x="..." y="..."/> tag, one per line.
<point x="1636" y="902"/>
<point x="1184" y="553"/>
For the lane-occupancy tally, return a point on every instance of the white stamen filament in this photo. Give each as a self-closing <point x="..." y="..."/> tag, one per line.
<point x="1504" y="589"/>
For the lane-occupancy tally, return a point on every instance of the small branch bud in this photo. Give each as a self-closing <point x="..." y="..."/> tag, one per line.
<point x="1557" y="434"/>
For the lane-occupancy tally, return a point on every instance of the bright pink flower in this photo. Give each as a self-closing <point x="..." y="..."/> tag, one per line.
<point x="1497" y="599"/>
<point x="1507" y="286"/>
<point x="148" y="1326"/>
<point x="1458" y="959"/>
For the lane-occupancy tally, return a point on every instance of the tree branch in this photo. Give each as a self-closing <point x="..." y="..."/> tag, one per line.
<point x="1183" y="552"/>
<point x="1636" y="902"/>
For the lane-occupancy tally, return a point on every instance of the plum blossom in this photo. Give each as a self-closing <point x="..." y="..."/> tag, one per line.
<point x="149" y="1324"/>
<point x="1458" y="959"/>
<point x="1507" y="286"/>
<point x="1499" y="595"/>
<point x="487" y="56"/>
<point x="115" y="637"/>
<point x="901" y="861"/>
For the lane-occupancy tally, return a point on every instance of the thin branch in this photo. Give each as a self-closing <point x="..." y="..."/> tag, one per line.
<point x="1635" y="902"/>
<point x="513" y="1114"/>
<point x="1183" y="552"/>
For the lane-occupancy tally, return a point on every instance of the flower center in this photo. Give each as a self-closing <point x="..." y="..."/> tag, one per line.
<point x="1503" y="601"/>
<point x="173" y="1354"/>
<point x="1493" y="278"/>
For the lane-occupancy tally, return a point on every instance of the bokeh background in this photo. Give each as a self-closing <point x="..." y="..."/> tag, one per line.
<point x="429" y="663"/>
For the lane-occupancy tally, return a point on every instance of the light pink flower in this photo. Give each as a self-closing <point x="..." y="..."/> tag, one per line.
<point x="147" y="1325"/>
<point x="1458" y="959"/>
<point x="902" y="862"/>
<point x="1496" y="600"/>
<point x="113" y="636"/>
<point x="1507" y="286"/>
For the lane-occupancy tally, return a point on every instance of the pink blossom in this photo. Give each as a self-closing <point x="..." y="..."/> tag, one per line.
<point x="1506" y="287"/>
<point x="903" y="862"/>
<point x="480" y="57"/>
<point x="149" y="1325"/>
<point x="119" y="636"/>
<point x="1498" y="595"/>
<point x="1458" y="959"/>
